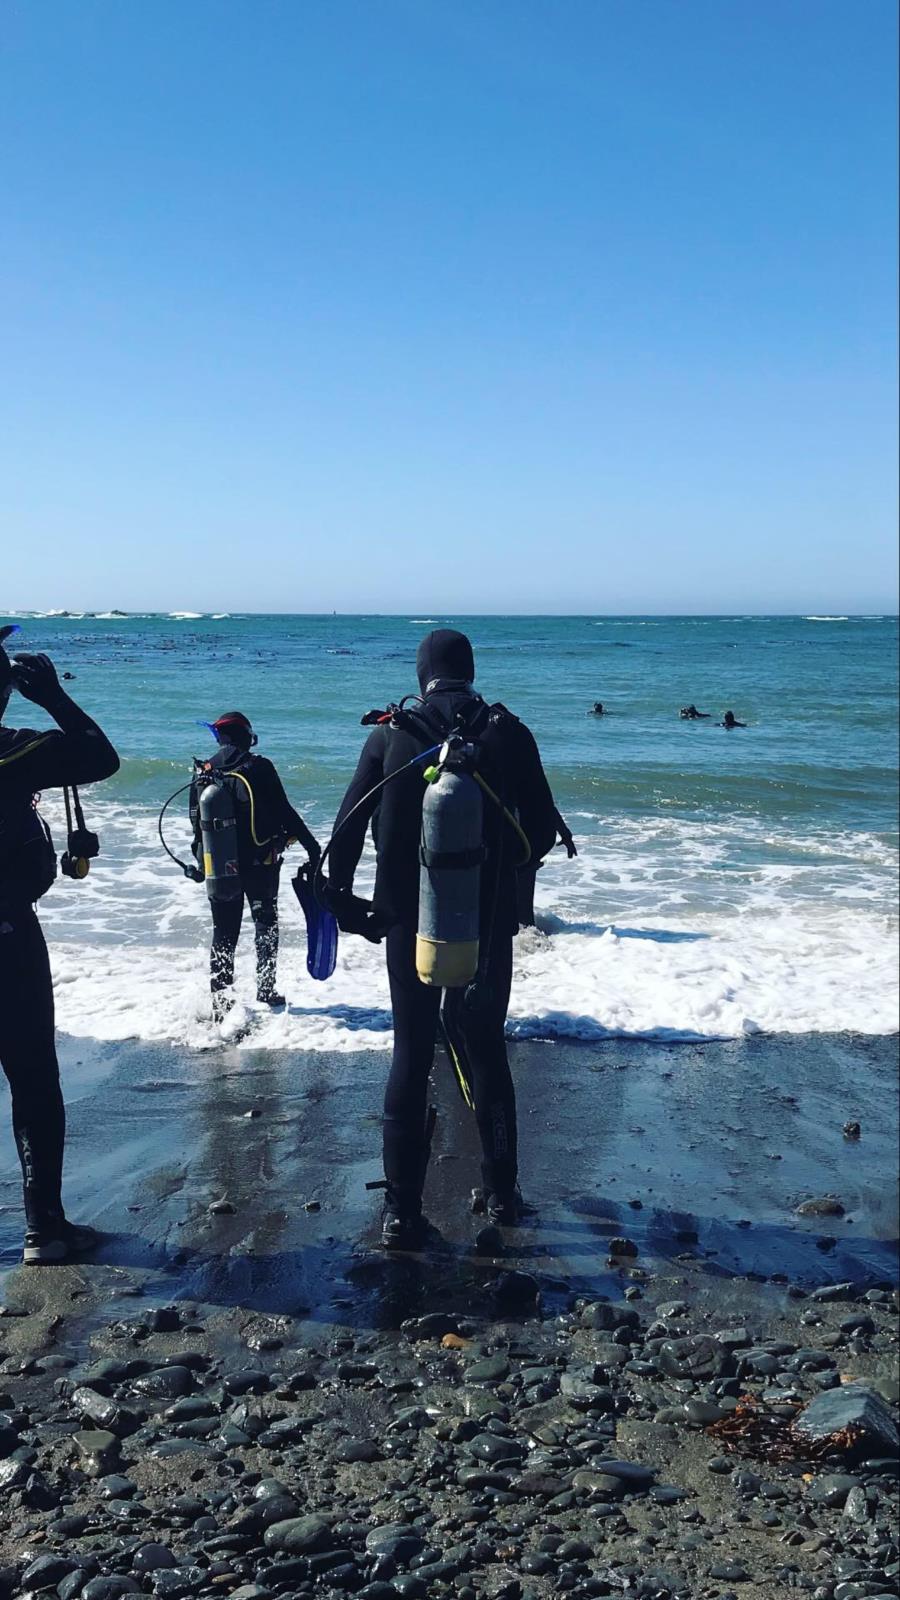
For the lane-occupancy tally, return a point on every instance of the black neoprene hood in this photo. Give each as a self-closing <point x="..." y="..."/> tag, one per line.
<point x="444" y="656"/>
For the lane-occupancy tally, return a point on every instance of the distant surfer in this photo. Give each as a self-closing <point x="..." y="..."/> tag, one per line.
<point x="691" y="714"/>
<point x="730" y="721"/>
<point x="598" y="709"/>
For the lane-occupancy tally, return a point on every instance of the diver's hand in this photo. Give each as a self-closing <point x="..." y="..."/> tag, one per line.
<point x="35" y="678"/>
<point x="354" y="915"/>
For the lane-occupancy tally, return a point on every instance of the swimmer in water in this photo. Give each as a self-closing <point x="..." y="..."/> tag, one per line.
<point x="691" y="714"/>
<point x="730" y="721"/>
<point x="597" y="709"/>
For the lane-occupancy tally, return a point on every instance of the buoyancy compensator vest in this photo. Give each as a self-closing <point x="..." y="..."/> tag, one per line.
<point x="27" y="854"/>
<point x="452" y="848"/>
<point x="226" y="806"/>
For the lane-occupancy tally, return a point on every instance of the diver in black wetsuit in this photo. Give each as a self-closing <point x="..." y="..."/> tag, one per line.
<point x="691" y="714"/>
<point x="76" y="752"/>
<point x="730" y="721"/>
<point x="275" y="824"/>
<point x="509" y="760"/>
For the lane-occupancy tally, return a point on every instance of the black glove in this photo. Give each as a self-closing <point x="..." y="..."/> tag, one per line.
<point x="35" y="678"/>
<point x="355" y="915"/>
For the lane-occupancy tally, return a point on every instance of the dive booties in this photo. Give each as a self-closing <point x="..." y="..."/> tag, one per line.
<point x="321" y="927"/>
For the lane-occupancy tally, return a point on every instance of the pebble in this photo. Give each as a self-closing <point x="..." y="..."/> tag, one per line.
<point x="396" y="1542"/>
<point x="152" y="1557"/>
<point x="831" y="1489"/>
<point x="96" y="1442"/>
<point x="492" y="1370"/>
<point x="166" y="1383"/>
<point x="46" y="1572"/>
<point x="825" y="1205"/>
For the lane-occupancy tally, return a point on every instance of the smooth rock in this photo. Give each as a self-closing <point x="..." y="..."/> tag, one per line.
<point x="697" y="1357"/>
<point x="109" y="1588"/>
<point x="165" y="1383"/>
<point x="396" y="1541"/>
<point x="46" y="1572"/>
<point x="831" y="1488"/>
<point x="152" y="1558"/>
<point x="299" y="1535"/>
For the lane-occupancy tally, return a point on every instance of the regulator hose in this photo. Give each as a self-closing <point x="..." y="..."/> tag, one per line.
<point x="319" y="887"/>
<point x="192" y="872"/>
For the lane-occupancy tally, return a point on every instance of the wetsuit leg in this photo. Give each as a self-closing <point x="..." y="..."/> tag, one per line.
<point x="262" y="893"/>
<point x="28" y="1057"/>
<point x="415" y="1007"/>
<point x="226" y="917"/>
<point x="492" y="1084"/>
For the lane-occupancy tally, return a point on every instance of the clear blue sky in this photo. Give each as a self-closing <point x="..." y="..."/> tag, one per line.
<point x="500" y="305"/>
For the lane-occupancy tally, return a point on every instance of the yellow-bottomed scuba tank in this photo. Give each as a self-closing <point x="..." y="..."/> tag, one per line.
<point x="450" y="861"/>
<point x="218" y="830"/>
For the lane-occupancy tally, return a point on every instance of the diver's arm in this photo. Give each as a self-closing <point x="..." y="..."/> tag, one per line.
<point x="564" y="833"/>
<point x="349" y="832"/>
<point x="291" y="820"/>
<point x="79" y="753"/>
<point x="537" y="812"/>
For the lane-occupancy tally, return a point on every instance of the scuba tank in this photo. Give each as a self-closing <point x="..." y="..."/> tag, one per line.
<point x="451" y="856"/>
<point x="218" y="830"/>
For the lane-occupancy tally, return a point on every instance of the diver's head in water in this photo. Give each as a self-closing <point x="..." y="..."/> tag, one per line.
<point x="445" y="661"/>
<point x="233" y="728"/>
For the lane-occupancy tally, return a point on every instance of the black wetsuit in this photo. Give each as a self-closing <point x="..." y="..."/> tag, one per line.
<point x="276" y="822"/>
<point x="510" y="762"/>
<point x="29" y="762"/>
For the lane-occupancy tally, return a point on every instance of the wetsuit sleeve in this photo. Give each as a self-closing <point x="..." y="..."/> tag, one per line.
<point x="79" y="752"/>
<point x="289" y="819"/>
<point x="537" y="812"/>
<point x="343" y="857"/>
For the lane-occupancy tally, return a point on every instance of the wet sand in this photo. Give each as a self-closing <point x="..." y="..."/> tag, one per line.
<point x="243" y="1394"/>
<point x="700" y="1153"/>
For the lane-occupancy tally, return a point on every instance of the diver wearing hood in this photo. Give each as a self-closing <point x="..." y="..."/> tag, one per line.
<point x="31" y="760"/>
<point x="509" y="761"/>
<point x="266" y="824"/>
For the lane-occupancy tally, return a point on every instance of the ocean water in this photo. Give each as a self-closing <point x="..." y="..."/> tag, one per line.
<point x="726" y="884"/>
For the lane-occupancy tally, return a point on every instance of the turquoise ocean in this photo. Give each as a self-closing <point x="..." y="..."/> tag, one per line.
<point x="727" y="884"/>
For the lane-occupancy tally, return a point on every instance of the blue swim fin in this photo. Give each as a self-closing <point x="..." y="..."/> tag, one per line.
<point x="321" y="928"/>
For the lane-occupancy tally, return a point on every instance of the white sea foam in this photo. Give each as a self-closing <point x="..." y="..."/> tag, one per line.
<point x="186" y="616"/>
<point x="826" y="619"/>
<point x="664" y="929"/>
